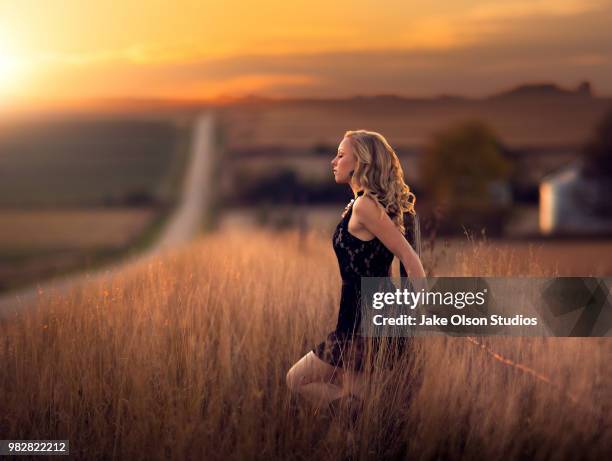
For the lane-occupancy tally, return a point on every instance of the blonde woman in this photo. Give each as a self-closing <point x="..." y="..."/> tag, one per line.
<point x="372" y="231"/>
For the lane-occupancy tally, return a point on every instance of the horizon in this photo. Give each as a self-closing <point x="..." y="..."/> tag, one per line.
<point x="107" y="102"/>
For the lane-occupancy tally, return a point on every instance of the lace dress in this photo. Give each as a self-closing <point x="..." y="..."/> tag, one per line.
<point x="345" y="347"/>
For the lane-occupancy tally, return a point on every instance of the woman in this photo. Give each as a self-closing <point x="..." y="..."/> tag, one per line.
<point x="370" y="234"/>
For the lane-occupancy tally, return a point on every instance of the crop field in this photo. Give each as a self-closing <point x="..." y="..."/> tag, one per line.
<point x="68" y="162"/>
<point x="36" y="244"/>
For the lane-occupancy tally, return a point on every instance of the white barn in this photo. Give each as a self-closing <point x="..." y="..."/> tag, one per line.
<point x="567" y="201"/>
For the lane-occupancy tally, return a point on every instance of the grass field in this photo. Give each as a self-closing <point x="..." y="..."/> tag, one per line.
<point x="68" y="162"/>
<point x="565" y="258"/>
<point x="446" y="255"/>
<point x="36" y="244"/>
<point x="77" y="228"/>
<point x="185" y="358"/>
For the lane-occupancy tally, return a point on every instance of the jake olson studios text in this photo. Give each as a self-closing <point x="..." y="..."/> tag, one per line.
<point x="455" y="320"/>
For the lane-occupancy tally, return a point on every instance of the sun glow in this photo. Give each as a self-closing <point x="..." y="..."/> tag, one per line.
<point x="11" y="69"/>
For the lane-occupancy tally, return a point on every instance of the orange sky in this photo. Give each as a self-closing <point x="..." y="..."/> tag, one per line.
<point x="69" y="50"/>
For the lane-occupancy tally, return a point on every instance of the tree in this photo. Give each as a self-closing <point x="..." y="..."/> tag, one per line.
<point x="460" y="169"/>
<point x="462" y="163"/>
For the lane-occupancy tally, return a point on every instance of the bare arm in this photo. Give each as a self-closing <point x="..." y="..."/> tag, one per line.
<point x="367" y="214"/>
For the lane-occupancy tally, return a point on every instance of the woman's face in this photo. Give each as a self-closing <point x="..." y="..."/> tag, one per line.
<point x="344" y="162"/>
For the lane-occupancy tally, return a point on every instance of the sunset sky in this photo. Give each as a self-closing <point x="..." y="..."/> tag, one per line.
<point x="72" y="49"/>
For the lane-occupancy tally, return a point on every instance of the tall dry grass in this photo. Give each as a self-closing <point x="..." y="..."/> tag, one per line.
<point x="185" y="357"/>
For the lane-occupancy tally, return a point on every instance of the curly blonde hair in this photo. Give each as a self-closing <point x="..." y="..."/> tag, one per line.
<point x="380" y="175"/>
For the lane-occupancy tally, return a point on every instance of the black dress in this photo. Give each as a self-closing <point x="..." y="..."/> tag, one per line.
<point x="345" y="347"/>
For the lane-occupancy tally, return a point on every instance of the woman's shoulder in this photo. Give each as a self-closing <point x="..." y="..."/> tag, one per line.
<point x="366" y="204"/>
<point x="364" y="198"/>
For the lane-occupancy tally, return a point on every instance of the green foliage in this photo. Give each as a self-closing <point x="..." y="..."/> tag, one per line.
<point x="460" y="165"/>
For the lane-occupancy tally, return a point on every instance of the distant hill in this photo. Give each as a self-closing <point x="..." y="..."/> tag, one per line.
<point x="151" y="105"/>
<point x="535" y="90"/>
<point x="527" y="90"/>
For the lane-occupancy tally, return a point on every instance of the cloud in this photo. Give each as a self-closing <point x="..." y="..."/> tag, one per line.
<point x="561" y="47"/>
<point x="481" y="50"/>
<point x="523" y="9"/>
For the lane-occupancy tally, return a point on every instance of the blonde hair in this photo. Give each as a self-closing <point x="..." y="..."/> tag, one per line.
<point x="380" y="175"/>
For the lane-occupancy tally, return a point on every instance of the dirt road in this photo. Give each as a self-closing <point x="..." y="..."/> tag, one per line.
<point x="182" y="226"/>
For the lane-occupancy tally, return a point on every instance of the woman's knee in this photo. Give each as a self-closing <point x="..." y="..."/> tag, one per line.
<point x="294" y="378"/>
<point x="310" y="369"/>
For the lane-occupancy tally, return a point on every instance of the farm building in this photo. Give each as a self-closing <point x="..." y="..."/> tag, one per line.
<point x="571" y="203"/>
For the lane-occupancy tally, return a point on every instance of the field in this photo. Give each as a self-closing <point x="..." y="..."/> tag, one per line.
<point x="534" y="121"/>
<point x="76" y="193"/>
<point x="445" y="256"/>
<point x="71" y="162"/>
<point x="35" y="244"/>
<point x="577" y="258"/>
<point x="185" y="358"/>
<point x="78" y="228"/>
